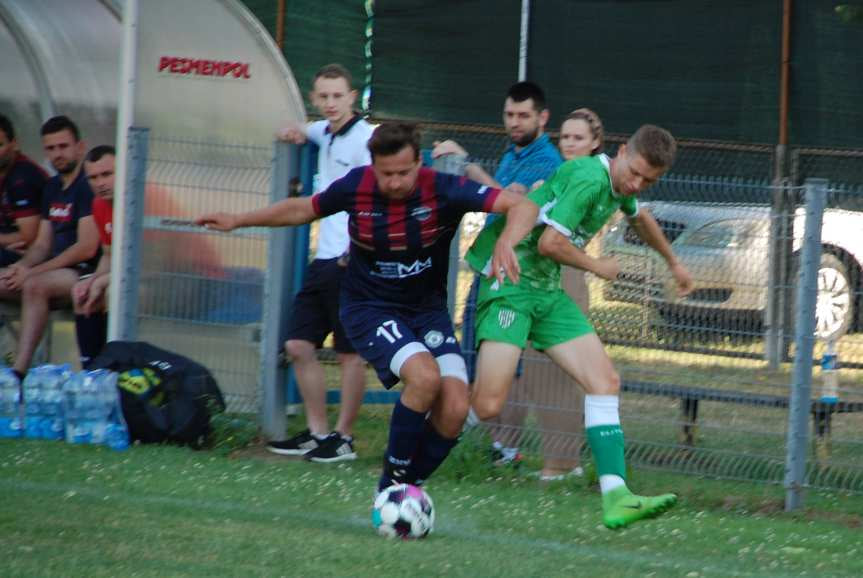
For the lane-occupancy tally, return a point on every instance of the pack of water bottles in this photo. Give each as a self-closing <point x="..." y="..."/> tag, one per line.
<point x="82" y="408"/>
<point x="92" y="410"/>
<point x="43" y="401"/>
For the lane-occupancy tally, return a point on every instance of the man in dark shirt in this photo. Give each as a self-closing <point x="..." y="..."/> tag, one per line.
<point x="66" y="246"/>
<point x="401" y="220"/>
<point x="21" y="182"/>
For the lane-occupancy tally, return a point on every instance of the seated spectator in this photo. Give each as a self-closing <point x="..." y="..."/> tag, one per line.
<point x="66" y="245"/>
<point x="21" y="182"/>
<point x="89" y="294"/>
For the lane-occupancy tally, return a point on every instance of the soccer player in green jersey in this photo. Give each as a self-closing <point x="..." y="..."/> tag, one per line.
<point x="520" y="298"/>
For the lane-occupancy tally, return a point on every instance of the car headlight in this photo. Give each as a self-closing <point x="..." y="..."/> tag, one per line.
<point x="733" y="233"/>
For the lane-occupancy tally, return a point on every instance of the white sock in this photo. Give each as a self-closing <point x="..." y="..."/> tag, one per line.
<point x="509" y="453"/>
<point x="601" y="410"/>
<point x="472" y="419"/>
<point x="609" y="482"/>
<point x="318" y="436"/>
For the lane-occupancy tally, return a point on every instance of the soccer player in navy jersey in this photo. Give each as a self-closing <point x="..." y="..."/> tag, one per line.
<point x="402" y="219"/>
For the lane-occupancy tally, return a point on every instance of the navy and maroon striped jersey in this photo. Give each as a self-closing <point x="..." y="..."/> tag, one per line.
<point x="400" y="248"/>
<point x="21" y="192"/>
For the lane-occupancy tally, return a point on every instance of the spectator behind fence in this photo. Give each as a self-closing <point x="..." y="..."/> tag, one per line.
<point x="89" y="293"/>
<point x="341" y="139"/>
<point x="557" y="401"/>
<point x="66" y="246"/>
<point x="21" y="183"/>
<point x="529" y="158"/>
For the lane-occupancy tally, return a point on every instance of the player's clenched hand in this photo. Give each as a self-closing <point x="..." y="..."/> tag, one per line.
<point x="685" y="284"/>
<point x="608" y="268"/>
<point x="218" y="221"/>
<point x="504" y="263"/>
<point x="447" y="147"/>
<point x="292" y="133"/>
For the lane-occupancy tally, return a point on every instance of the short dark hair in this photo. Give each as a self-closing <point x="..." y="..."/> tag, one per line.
<point x="96" y="153"/>
<point x="6" y="127"/>
<point x="654" y="144"/>
<point x="59" y="123"/>
<point x="522" y="91"/>
<point x="391" y="137"/>
<point x="334" y="70"/>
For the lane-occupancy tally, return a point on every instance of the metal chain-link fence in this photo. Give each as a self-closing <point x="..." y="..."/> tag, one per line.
<point x="201" y="293"/>
<point x="703" y="392"/>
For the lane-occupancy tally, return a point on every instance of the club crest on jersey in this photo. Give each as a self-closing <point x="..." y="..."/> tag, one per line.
<point x="421" y="213"/>
<point x="433" y="339"/>
<point x="505" y="318"/>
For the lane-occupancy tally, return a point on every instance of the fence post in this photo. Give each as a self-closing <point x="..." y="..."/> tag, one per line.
<point x="308" y="159"/>
<point x="804" y="340"/>
<point x="277" y="297"/>
<point x="126" y="257"/>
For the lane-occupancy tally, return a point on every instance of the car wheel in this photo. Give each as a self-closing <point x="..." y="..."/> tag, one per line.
<point x="834" y="305"/>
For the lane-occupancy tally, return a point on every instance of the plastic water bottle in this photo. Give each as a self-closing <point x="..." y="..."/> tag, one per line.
<point x="11" y="424"/>
<point x="75" y="408"/>
<point x="52" y="380"/>
<point x="96" y="408"/>
<point x="33" y="404"/>
<point x="830" y="374"/>
<point x="117" y="432"/>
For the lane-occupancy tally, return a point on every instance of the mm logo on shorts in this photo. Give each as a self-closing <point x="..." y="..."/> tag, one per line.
<point x="505" y="318"/>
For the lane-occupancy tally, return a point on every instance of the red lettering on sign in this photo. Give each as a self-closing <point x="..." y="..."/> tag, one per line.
<point x="204" y="67"/>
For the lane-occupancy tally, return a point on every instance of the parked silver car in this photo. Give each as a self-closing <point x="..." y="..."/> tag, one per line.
<point x="726" y="249"/>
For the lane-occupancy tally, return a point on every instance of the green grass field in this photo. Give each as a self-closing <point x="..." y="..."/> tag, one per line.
<point x="156" y="511"/>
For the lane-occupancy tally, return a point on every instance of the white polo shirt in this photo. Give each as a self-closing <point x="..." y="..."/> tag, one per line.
<point x="338" y="153"/>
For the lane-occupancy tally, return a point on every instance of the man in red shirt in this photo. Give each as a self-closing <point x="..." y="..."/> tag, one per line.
<point x="89" y="293"/>
<point x="21" y="182"/>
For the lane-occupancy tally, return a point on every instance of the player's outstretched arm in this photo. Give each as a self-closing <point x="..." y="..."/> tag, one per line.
<point x="521" y="214"/>
<point x="651" y="233"/>
<point x="296" y="211"/>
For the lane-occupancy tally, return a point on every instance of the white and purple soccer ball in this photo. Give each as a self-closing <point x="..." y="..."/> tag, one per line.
<point x="403" y="511"/>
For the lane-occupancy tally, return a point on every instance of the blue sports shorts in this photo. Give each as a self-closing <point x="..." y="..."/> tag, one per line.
<point x="386" y="335"/>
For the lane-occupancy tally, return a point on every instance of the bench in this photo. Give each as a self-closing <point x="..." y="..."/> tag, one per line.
<point x="10" y="314"/>
<point x="822" y="413"/>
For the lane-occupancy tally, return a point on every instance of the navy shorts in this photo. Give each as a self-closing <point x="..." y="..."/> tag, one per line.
<point x="316" y="307"/>
<point x="386" y="335"/>
<point x="8" y="257"/>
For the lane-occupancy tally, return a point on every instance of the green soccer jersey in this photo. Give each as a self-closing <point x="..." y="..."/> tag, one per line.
<point x="577" y="201"/>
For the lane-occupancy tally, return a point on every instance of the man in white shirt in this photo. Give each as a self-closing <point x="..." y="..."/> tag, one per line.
<point x="341" y="138"/>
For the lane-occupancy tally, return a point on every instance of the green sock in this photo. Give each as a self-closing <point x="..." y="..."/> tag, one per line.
<point x="606" y="443"/>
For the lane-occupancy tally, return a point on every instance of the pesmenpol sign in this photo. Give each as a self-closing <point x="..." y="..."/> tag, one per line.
<point x="184" y="66"/>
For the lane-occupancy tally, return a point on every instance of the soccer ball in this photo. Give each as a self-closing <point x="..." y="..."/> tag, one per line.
<point x="403" y="511"/>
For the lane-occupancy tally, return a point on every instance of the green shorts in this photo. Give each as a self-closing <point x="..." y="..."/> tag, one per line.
<point x="518" y="313"/>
